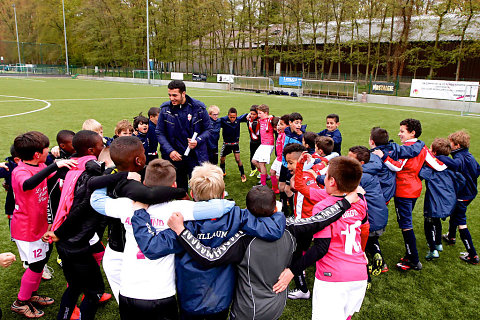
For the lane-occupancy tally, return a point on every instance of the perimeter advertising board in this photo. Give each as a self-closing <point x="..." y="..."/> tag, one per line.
<point x="290" y="81"/>
<point x="445" y="90"/>
<point x="228" y="78"/>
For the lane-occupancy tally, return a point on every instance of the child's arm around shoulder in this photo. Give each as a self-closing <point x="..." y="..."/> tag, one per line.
<point x="267" y="228"/>
<point x="35" y="180"/>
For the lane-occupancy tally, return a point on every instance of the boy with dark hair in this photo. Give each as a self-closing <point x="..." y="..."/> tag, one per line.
<point x="145" y="292"/>
<point x="64" y="140"/>
<point x="212" y="147"/>
<point x="440" y="198"/>
<point x="293" y="134"/>
<point x="464" y="163"/>
<point x="377" y="208"/>
<point x="277" y="163"/>
<point x="253" y="126"/>
<point x="230" y="125"/>
<point x="194" y="283"/>
<point x="324" y="146"/>
<point x="262" y="156"/>
<point x="152" y="152"/>
<point x="333" y="121"/>
<point x="258" y="262"/>
<point x="140" y="130"/>
<point x="341" y="274"/>
<point x="409" y="187"/>
<point x="29" y="220"/>
<point x="309" y="141"/>
<point x="74" y="230"/>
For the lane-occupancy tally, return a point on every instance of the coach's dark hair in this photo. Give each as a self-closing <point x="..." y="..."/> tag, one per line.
<point x="84" y="140"/>
<point x="254" y="107"/>
<point x="310" y="138"/>
<point x="138" y="120"/>
<point x="232" y="110"/>
<point x="153" y="111"/>
<point x="295" y="116"/>
<point x="64" y="136"/>
<point x="123" y="150"/>
<point x="261" y="201"/>
<point x="379" y="136"/>
<point x="361" y="152"/>
<point x="28" y="143"/>
<point x="325" y="144"/>
<point x="333" y="116"/>
<point x="412" y="125"/>
<point x="293" y="147"/>
<point x="177" y="84"/>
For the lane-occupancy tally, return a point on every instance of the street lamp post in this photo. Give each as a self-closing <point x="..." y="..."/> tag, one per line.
<point x="16" y="29"/>
<point x="65" y="34"/>
<point x="148" y="47"/>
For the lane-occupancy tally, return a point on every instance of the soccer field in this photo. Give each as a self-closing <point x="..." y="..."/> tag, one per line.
<point x="446" y="288"/>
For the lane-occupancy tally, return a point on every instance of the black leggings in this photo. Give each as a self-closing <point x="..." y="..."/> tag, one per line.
<point x="223" y="315"/>
<point x="160" y="309"/>
<point x="82" y="273"/>
<point x="253" y="147"/>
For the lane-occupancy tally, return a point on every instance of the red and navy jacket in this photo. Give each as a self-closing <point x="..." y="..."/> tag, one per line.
<point x="254" y="130"/>
<point x="408" y="183"/>
<point x="464" y="162"/>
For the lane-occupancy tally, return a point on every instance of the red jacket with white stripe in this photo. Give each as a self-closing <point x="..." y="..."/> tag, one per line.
<point x="407" y="181"/>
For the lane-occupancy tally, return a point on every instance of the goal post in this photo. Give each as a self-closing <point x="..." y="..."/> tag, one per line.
<point x="252" y="83"/>
<point x="342" y="90"/>
<point x="469" y="99"/>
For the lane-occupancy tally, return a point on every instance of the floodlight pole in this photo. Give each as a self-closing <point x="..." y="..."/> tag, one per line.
<point x="16" y="29"/>
<point x="148" y="47"/>
<point x="65" y="34"/>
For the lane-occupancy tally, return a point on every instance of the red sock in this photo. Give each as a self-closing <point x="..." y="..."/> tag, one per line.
<point x="263" y="179"/>
<point x="274" y="182"/>
<point x="99" y="256"/>
<point x="30" y="282"/>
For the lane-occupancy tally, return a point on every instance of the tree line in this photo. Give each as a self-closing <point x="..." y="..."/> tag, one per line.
<point x="367" y="37"/>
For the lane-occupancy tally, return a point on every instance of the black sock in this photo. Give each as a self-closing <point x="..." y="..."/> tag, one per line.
<point x="411" y="245"/>
<point x="222" y="165"/>
<point x="301" y="283"/>
<point x="373" y="246"/>
<point x="438" y="231"/>
<point x="452" y="230"/>
<point x="292" y="205"/>
<point x="242" y="172"/>
<point x="429" y="228"/>
<point x="467" y="241"/>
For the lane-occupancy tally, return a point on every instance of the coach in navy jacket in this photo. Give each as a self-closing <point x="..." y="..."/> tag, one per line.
<point x="204" y="291"/>
<point x="179" y="118"/>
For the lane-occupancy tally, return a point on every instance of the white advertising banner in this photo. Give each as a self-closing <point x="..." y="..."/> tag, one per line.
<point x="228" y="78"/>
<point x="445" y="90"/>
<point x="176" y="75"/>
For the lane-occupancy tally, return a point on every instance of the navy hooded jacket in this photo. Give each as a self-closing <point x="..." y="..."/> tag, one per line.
<point x="377" y="208"/>
<point x="176" y="124"/>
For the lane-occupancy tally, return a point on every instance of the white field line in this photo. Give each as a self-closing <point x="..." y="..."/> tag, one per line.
<point x="27" y="112"/>
<point x="23" y="78"/>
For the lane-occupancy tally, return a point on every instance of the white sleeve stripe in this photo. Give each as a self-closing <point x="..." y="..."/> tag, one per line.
<point x="434" y="162"/>
<point x="393" y="167"/>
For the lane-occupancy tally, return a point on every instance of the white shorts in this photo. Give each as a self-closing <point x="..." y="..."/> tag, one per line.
<point x="32" y="251"/>
<point x="112" y="265"/>
<point x="276" y="166"/>
<point x="337" y="300"/>
<point x="263" y="153"/>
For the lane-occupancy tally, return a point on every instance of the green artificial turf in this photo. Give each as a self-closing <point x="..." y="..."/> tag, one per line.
<point x="446" y="288"/>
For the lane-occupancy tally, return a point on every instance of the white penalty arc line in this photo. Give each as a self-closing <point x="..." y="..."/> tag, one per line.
<point x="27" y="112"/>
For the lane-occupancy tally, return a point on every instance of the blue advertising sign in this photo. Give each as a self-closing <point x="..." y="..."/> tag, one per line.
<point x="290" y="81"/>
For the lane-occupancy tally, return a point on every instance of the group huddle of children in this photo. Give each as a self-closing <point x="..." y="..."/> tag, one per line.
<point x="218" y="260"/>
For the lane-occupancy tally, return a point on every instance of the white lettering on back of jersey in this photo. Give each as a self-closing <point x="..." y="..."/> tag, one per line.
<point x="350" y="235"/>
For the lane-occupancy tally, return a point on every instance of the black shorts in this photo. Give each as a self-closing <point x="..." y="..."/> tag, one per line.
<point x="285" y="175"/>
<point x="229" y="148"/>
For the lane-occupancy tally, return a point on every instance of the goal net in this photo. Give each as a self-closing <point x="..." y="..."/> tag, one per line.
<point x="470" y="96"/>
<point x="252" y="83"/>
<point x="143" y="74"/>
<point x="343" y="90"/>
